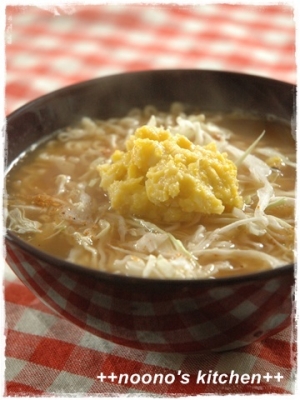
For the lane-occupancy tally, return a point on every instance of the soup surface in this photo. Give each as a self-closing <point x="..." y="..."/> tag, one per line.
<point x="59" y="196"/>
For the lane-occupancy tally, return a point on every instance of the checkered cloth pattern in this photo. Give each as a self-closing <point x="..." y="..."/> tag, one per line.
<point x="50" y="47"/>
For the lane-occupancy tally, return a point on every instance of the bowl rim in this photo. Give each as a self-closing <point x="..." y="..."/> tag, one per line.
<point x="62" y="264"/>
<point x="78" y="85"/>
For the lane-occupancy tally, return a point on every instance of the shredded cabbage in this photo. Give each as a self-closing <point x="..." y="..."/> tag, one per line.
<point x="20" y="224"/>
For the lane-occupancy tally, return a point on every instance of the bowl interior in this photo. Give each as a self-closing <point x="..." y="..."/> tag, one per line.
<point x="114" y="96"/>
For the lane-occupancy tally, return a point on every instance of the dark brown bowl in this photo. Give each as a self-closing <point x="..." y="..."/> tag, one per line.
<point x="152" y="314"/>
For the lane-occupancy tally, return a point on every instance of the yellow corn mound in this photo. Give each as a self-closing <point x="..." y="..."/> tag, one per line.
<point x="167" y="178"/>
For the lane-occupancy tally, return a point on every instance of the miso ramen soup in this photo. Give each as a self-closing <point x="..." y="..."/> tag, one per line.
<point x="93" y="196"/>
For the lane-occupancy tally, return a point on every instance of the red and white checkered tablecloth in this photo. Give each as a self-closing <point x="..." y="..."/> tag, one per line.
<point x="50" y="47"/>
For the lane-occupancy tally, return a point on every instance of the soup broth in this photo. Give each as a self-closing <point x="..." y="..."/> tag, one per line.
<point x="55" y="201"/>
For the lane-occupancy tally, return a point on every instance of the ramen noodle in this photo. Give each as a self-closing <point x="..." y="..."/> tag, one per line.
<point x="160" y="194"/>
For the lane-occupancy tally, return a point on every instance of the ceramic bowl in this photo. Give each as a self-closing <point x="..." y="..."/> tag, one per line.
<point x="156" y="315"/>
